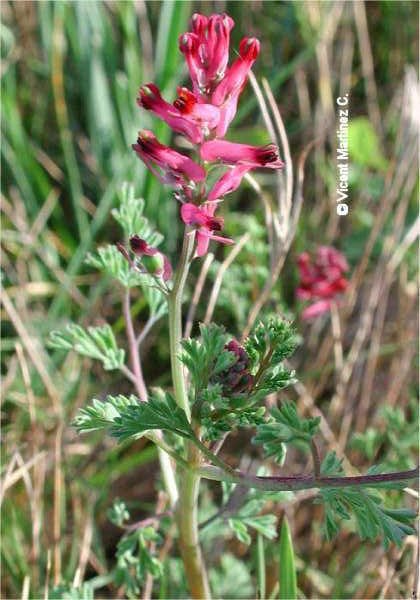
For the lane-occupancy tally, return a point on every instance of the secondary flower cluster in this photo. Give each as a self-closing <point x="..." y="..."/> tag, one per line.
<point x="202" y="115"/>
<point x="321" y="279"/>
<point x="237" y="378"/>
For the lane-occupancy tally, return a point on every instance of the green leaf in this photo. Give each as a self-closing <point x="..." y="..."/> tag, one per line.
<point x="287" y="569"/>
<point x="118" y="513"/>
<point x="248" y="515"/>
<point x="126" y="418"/>
<point x="232" y="580"/>
<point x="135" y="560"/>
<point x="96" y="342"/>
<point x="285" y="427"/>
<point x="110" y="261"/>
<point x="102" y="415"/>
<point x="129" y="215"/>
<point x="271" y="342"/>
<point x="372" y="518"/>
<point x="206" y="357"/>
<point x="68" y="592"/>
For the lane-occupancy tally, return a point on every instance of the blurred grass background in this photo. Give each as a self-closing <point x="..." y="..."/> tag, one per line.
<point x="70" y="76"/>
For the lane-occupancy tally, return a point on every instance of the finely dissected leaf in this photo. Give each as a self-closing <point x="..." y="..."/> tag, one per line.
<point x="232" y="580"/>
<point x="101" y="415"/>
<point x="109" y="260"/>
<point x="118" y="513"/>
<point x="287" y="569"/>
<point x="206" y="357"/>
<point x="271" y="341"/>
<point x="129" y="215"/>
<point x="126" y="418"/>
<point x="69" y="592"/>
<point x="244" y="511"/>
<point x="372" y="518"/>
<point x="285" y="427"/>
<point x="95" y="342"/>
<point x="135" y="560"/>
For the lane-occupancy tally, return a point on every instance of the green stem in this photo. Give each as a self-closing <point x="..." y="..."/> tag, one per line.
<point x="187" y="517"/>
<point x="175" y="322"/>
<point x="187" y="507"/>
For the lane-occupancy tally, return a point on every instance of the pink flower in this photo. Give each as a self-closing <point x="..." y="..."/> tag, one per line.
<point x="227" y="93"/>
<point x="185" y="115"/>
<point x="321" y="279"/>
<point x="159" y="266"/>
<point x="229" y="182"/>
<point x="243" y="154"/>
<point x="315" y="310"/>
<point x="203" y="218"/>
<point x="168" y="165"/>
<point x="206" y="50"/>
<point x="203" y="115"/>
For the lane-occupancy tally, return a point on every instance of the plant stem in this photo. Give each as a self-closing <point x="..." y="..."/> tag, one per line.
<point x="175" y="322"/>
<point x="187" y="517"/>
<point x="133" y="349"/>
<point x="304" y="482"/>
<point x="138" y="380"/>
<point x="188" y="530"/>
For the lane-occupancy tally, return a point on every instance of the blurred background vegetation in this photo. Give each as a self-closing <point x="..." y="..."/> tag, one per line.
<point x="70" y="76"/>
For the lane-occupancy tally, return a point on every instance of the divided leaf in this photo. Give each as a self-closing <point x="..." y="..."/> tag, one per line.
<point x="110" y="261"/>
<point x="129" y="215"/>
<point x="126" y="418"/>
<point x="96" y="342"/>
<point x="285" y="427"/>
<point x="206" y="357"/>
<point x="271" y="342"/>
<point x="372" y="518"/>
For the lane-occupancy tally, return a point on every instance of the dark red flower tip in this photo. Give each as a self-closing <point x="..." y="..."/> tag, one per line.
<point x="140" y="247"/>
<point x="186" y="100"/>
<point x="268" y="154"/>
<point x="249" y="48"/>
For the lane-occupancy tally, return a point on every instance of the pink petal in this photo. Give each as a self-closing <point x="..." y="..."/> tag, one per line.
<point x="203" y="242"/>
<point x="192" y="215"/>
<point x="316" y="309"/>
<point x="233" y="153"/>
<point x="228" y="183"/>
<point x="175" y="165"/>
<point x="151" y="99"/>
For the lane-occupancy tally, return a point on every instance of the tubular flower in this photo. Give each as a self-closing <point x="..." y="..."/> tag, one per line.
<point x="203" y="218"/>
<point x="243" y="154"/>
<point x="203" y="115"/>
<point x="229" y="182"/>
<point x="154" y="261"/>
<point x="185" y="115"/>
<point x="227" y="93"/>
<point x="167" y="164"/>
<point x="321" y="279"/>
<point x="206" y="50"/>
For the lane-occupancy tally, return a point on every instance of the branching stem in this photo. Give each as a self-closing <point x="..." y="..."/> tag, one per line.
<point x="187" y="508"/>
<point x="133" y="349"/>
<point x="304" y="482"/>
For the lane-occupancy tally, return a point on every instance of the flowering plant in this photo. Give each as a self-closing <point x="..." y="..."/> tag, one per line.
<point x="218" y="382"/>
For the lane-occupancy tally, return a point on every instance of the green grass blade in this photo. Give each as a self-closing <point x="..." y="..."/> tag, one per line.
<point x="287" y="569"/>
<point x="172" y="22"/>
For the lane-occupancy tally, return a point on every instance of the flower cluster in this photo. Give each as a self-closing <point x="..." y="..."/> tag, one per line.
<point x="237" y="378"/>
<point x="321" y="279"/>
<point x="202" y="115"/>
